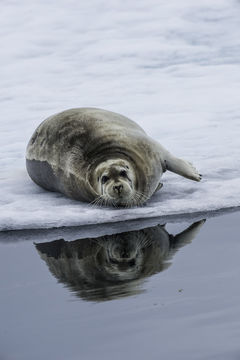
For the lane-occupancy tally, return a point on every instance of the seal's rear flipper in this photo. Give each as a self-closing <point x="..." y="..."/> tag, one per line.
<point x="181" y="167"/>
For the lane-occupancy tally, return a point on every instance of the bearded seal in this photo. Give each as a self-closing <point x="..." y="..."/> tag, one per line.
<point x="99" y="156"/>
<point x="111" y="266"/>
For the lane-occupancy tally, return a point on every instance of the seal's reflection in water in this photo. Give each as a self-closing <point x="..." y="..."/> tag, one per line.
<point x="112" y="266"/>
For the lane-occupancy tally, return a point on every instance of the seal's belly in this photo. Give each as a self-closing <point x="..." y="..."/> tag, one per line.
<point x="42" y="174"/>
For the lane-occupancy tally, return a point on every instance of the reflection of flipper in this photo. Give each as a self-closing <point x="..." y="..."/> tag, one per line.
<point x="181" y="167"/>
<point x="186" y="236"/>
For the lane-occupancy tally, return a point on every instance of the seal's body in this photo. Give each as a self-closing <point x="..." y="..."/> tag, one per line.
<point x="113" y="265"/>
<point x="99" y="156"/>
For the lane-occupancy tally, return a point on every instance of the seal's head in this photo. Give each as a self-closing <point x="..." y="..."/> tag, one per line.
<point x="122" y="256"/>
<point x="116" y="182"/>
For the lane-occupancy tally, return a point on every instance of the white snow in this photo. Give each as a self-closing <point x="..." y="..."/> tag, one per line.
<point x="172" y="66"/>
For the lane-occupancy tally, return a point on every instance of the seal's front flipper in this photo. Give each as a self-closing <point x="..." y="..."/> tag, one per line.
<point x="160" y="185"/>
<point x="181" y="167"/>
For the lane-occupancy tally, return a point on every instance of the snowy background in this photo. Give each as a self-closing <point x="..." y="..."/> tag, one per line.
<point x="172" y="66"/>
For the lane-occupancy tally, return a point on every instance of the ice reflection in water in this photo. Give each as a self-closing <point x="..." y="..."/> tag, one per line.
<point x="112" y="266"/>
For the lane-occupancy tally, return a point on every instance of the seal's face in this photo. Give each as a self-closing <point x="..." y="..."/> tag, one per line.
<point x="115" y="183"/>
<point x="123" y="259"/>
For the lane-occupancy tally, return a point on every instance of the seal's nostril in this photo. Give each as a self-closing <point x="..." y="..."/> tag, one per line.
<point x="118" y="188"/>
<point x="124" y="254"/>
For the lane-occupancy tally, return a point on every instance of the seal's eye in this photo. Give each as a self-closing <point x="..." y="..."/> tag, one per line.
<point x="105" y="179"/>
<point x="123" y="173"/>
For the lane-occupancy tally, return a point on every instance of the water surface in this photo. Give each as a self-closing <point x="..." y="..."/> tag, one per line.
<point x="157" y="292"/>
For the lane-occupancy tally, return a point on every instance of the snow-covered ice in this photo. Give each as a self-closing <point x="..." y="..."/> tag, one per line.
<point x="172" y="66"/>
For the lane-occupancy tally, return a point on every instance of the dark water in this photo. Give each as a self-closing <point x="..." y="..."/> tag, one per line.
<point x="168" y="292"/>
